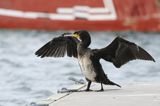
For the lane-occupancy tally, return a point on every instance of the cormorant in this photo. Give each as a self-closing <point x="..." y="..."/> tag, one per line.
<point x="118" y="52"/>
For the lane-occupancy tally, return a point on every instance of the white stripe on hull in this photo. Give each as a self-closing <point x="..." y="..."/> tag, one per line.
<point x="71" y="13"/>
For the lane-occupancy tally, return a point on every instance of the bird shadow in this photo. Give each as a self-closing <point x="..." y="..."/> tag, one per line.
<point x="75" y="90"/>
<point x="108" y="90"/>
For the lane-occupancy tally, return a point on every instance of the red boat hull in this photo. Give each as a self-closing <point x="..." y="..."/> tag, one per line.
<point x="75" y="15"/>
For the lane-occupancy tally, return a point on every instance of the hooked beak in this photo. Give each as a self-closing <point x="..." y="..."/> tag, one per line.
<point x="66" y="34"/>
<point x="75" y="36"/>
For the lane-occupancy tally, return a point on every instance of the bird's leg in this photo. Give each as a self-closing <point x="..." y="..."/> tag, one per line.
<point x="101" y="87"/>
<point x="88" y="86"/>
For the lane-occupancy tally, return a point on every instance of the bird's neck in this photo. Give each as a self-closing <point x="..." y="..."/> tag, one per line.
<point x="84" y="44"/>
<point x="81" y="49"/>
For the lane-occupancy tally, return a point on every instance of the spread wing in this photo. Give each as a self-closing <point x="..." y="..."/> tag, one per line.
<point x="58" y="47"/>
<point x="121" y="51"/>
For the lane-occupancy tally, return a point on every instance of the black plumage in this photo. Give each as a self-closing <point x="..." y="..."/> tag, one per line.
<point x="118" y="52"/>
<point x="57" y="47"/>
<point x="121" y="51"/>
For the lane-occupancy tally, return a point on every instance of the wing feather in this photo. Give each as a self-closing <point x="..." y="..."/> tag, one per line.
<point x="57" y="47"/>
<point x="121" y="51"/>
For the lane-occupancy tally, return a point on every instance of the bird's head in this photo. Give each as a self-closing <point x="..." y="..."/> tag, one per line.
<point x="83" y="36"/>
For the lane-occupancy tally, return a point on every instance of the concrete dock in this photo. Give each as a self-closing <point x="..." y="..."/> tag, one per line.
<point x="129" y="95"/>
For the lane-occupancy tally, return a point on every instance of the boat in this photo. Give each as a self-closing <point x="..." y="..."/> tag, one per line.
<point x="95" y="15"/>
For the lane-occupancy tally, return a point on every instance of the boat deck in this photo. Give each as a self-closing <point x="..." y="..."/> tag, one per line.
<point x="128" y="95"/>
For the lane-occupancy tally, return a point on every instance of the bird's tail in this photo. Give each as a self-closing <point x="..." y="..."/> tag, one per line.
<point x="108" y="82"/>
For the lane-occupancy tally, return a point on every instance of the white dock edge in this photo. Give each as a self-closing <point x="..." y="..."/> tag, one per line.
<point x="51" y="99"/>
<point x="129" y="95"/>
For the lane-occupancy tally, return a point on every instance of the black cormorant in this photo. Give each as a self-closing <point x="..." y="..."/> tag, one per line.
<point x="118" y="52"/>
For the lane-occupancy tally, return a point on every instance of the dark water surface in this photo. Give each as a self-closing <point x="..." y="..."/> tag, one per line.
<point x="25" y="78"/>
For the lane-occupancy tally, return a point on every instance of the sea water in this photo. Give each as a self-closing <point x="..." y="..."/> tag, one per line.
<point x="26" y="78"/>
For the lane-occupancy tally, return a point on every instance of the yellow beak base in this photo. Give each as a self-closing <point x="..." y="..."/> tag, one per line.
<point x="76" y="36"/>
